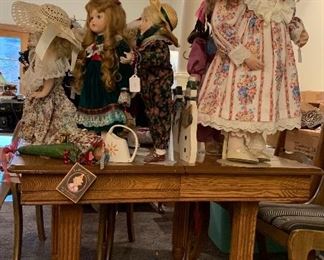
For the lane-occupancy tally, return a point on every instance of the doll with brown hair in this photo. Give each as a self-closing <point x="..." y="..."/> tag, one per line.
<point x="251" y="87"/>
<point x="152" y="60"/>
<point x="101" y="79"/>
<point x="48" y="116"/>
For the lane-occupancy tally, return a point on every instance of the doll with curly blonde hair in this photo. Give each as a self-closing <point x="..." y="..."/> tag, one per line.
<point x="101" y="79"/>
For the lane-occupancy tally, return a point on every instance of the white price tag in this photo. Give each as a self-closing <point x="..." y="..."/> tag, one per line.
<point x="134" y="84"/>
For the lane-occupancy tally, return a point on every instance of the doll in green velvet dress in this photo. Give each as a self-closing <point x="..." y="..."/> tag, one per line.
<point x="101" y="79"/>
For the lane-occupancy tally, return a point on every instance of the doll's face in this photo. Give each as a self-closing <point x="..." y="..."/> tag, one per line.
<point x="145" y="24"/>
<point x="97" y="22"/>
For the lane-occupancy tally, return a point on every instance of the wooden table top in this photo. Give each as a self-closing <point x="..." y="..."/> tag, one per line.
<point x="27" y="164"/>
<point x="281" y="180"/>
<point x="37" y="165"/>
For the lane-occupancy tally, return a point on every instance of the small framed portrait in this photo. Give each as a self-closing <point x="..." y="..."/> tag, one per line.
<point x="76" y="182"/>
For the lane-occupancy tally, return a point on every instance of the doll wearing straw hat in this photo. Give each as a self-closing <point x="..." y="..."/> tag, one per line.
<point x="48" y="115"/>
<point x="152" y="60"/>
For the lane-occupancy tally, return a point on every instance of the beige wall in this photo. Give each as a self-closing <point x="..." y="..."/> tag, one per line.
<point x="72" y="7"/>
<point x="76" y="7"/>
<point x="311" y="71"/>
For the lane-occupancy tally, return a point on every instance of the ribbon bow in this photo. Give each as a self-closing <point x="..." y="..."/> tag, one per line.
<point x="6" y="155"/>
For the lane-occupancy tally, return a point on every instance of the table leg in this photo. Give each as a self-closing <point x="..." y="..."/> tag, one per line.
<point x="243" y="230"/>
<point x="198" y="229"/>
<point x="180" y="229"/>
<point x="66" y="232"/>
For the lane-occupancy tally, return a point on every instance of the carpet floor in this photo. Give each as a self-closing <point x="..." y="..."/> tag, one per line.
<point x="152" y="236"/>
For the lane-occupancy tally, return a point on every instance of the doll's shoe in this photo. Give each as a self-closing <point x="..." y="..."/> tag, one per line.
<point x="154" y="157"/>
<point x="201" y="152"/>
<point x="241" y="155"/>
<point x="235" y="150"/>
<point x="256" y="146"/>
<point x="200" y="156"/>
<point x="262" y="156"/>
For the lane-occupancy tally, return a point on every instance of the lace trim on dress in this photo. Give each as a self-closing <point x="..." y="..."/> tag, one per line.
<point x="106" y="119"/>
<point x="251" y="127"/>
<point x="94" y="49"/>
<point x="273" y="10"/>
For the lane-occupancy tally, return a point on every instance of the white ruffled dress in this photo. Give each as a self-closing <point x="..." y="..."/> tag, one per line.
<point x="234" y="98"/>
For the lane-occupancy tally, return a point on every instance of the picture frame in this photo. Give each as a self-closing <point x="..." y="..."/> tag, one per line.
<point x="76" y="182"/>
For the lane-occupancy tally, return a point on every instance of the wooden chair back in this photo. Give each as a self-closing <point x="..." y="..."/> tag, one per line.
<point x="300" y="242"/>
<point x="316" y="190"/>
<point x="319" y="162"/>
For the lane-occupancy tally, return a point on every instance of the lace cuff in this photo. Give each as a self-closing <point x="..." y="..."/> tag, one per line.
<point x="239" y="54"/>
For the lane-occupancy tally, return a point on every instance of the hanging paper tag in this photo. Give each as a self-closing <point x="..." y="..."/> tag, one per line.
<point x="134" y="83"/>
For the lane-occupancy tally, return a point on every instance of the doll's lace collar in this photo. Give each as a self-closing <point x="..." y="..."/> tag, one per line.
<point x="273" y="10"/>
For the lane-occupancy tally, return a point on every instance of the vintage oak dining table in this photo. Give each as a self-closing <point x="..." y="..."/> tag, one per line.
<point x="280" y="180"/>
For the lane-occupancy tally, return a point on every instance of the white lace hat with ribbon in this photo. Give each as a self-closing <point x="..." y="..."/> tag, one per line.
<point x="49" y="19"/>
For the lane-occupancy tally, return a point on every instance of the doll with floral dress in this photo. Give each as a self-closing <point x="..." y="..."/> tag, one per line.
<point x="101" y="80"/>
<point x="251" y="87"/>
<point x="152" y="60"/>
<point x="48" y="116"/>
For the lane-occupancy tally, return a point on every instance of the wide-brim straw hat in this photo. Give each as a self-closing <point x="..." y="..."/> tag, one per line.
<point x="49" y="19"/>
<point x="166" y="13"/>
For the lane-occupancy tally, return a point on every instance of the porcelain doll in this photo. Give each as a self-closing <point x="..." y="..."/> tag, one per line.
<point x="48" y="116"/>
<point x="251" y="87"/>
<point x="101" y="79"/>
<point x="152" y="61"/>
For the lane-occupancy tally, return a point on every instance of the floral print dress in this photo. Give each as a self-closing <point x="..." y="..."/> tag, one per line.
<point x="155" y="71"/>
<point x="51" y="120"/>
<point x="234" y="98"/>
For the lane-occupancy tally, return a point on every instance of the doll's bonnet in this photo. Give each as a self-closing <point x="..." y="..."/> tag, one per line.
<point x="166" y="13"/>
<point x="51" y="20"/>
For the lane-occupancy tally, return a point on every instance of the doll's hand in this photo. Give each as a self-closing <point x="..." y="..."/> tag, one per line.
<point x="124" y="98"/>
<point x="128" y="59"/>
<point x="303" y="39"/>
<point x="38" y="94"/>
<point x="253" y="63"/>
<point x="99" y="151"/>
<point x="45" y="90"/>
